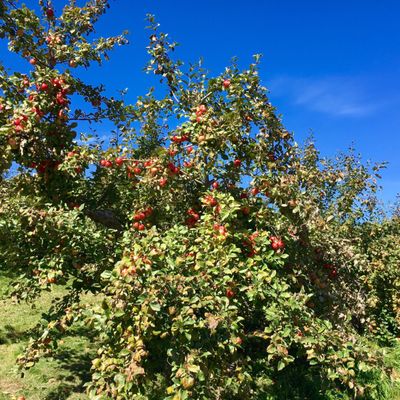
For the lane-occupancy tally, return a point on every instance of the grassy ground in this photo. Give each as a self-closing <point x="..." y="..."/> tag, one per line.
<point x="59" y="378"/>
<point x="62" y="377"/>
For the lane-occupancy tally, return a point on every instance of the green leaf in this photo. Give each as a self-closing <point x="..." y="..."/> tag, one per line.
<point x="106" y="274"/>
<point x="281" y="365"/>
<point x="155" y="306"/>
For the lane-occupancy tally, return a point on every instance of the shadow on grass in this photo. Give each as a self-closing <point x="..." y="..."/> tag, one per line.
<point x="9" y="334"/>
<point x="71" y="364"/>
<point x="10" y="273"/>
<point x="74" y="372"/>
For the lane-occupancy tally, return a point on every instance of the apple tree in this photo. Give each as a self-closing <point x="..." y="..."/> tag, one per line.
<point x="222" y="254"/>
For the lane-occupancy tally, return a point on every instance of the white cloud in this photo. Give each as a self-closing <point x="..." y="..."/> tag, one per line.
<point x="336" y="96"/>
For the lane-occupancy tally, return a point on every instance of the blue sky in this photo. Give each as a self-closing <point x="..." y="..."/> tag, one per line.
<point x="332" y="67"/>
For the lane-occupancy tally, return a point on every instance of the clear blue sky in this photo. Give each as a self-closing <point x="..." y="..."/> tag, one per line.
<point x="332" y="67"/>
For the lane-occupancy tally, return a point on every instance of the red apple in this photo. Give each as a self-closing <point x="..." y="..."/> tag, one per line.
<point x="245" y="210"/>
<point x="333" y="274"/>
<point x="41" y="169"/>
<point x="50" y="13"/>
<point x="191" y="221"/>
<point x="237" y="163"/>
<point x="148" y="211"/>
<point x="173" y="168"/>
<point x="119" y="161"/>
<point x="60" y="99"/>
<point x="195" y="216"/>
<point x="222" y="230"/>
<point x="136" y="217"/>
<point x="276" y="243"/>
<point x="202" y="108"/>
<point x="226" y="83"/>
<point x="281" y="245"/>
<point x="210" y="200"/>
<point x="238" y="340"/>
<point x="56" y="82"/>
<point x="229" y="293"/>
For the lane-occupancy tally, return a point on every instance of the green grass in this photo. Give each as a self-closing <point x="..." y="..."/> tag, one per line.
<point x="63" y="376"/>
<point x="58" y="378"/>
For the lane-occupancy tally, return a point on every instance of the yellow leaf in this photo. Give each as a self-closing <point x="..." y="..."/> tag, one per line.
<point x="170" y="390"/>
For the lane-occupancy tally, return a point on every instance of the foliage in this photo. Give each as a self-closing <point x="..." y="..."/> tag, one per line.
<point x="382" y="244"/>
<point x="211" y="312"/>
<point x="63" y="376"/>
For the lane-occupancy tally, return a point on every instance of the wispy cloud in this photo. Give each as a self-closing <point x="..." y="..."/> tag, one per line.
<point x="336" y="96"/>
